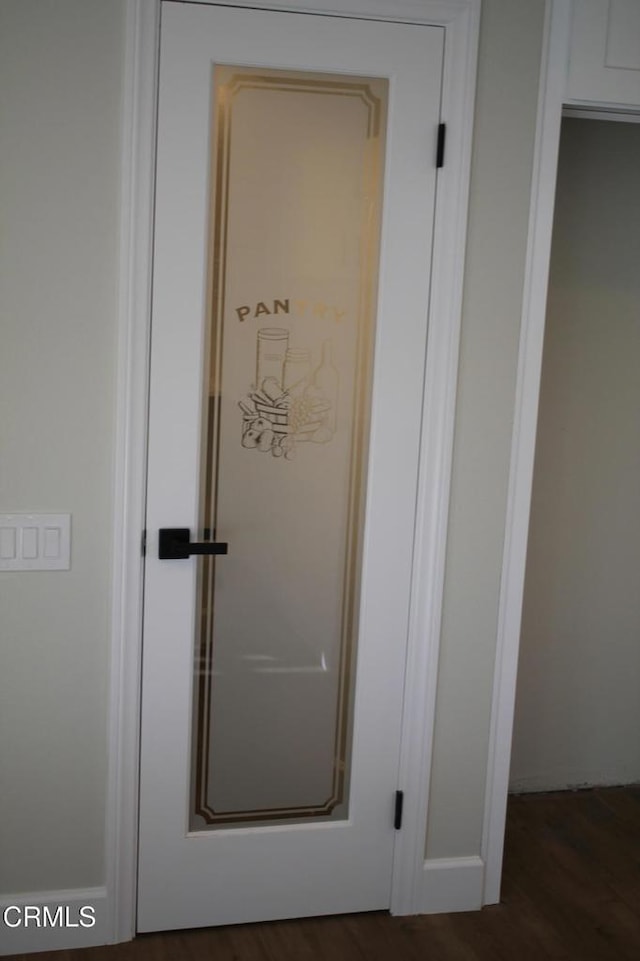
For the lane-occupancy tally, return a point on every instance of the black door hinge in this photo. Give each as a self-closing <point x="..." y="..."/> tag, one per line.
<point x="144" y="544"/>
<point x="397" y="813"/>
<point x="442" y="134"/>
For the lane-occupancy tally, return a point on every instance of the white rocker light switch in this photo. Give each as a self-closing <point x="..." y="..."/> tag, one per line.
<point x="35" y="542"/>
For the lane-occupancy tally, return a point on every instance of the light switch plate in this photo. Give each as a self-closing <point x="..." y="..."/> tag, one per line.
<point x="35" y="542"/>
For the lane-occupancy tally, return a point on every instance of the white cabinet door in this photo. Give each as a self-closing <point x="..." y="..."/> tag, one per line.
<point x="294" y="216"/>
<point x="604" y="60"/>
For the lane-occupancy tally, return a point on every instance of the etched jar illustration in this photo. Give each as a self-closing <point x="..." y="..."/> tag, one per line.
<point x="270" y="356"/>
<point x="297" y="369"/>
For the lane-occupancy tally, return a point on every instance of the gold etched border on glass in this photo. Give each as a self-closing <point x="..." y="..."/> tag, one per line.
<point x="223" y="97"/>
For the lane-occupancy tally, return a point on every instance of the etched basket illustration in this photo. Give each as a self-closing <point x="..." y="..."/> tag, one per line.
<point x="278" y="417"/>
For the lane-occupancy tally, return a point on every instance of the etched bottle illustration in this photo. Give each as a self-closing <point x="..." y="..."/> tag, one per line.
<point x="291" y="402"/>
<point x="326" y="380"/>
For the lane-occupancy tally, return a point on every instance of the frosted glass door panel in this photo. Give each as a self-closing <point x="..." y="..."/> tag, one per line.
<point x="297" y="163"/>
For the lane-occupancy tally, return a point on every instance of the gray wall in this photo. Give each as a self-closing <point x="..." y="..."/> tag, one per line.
<point x="506" y="102"/>
<point x="578" y="698"/>
<point x="60" y="78"/>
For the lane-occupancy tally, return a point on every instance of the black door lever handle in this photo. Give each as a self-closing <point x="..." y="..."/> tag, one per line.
<point x="174" y="544"/>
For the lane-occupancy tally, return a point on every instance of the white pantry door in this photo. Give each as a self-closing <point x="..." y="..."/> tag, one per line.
<point x="294" y="216"/>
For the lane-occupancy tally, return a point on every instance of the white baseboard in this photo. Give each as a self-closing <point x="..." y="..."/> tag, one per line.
<point x="448" y="885"/>
<point x="452" y="884"/>
<point x="25" y="925"/>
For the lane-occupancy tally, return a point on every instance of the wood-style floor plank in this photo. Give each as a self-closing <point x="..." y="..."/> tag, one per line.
<point x="571" y="892"/>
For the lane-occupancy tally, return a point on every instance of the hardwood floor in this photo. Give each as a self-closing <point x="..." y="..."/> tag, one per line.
<point x="571" y="892"/>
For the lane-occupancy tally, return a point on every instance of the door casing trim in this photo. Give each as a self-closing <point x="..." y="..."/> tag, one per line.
<point x="460" y="20"/>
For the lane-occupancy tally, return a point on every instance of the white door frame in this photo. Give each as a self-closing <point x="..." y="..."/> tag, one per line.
<point x="552" y="98"/>
<point x="460" y="20"/>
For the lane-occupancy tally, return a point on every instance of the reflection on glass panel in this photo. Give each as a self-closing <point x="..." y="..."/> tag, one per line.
<point x="297" y="164"/>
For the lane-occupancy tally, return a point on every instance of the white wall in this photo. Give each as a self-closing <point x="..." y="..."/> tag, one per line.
<point x="577" y="716"/>
<point x="60" y="78"/>
<point x="60" y="66"/>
